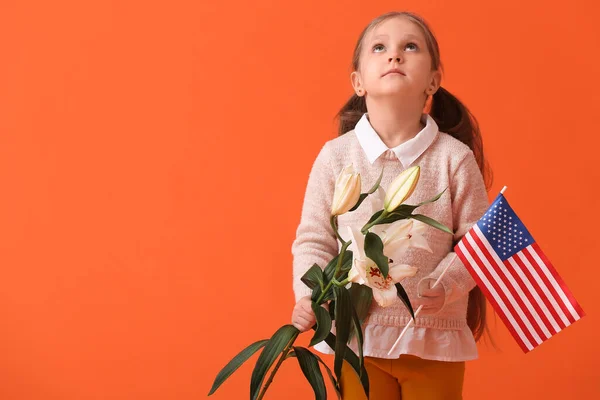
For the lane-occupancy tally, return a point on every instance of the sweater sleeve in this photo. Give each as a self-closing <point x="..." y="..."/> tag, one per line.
<point x="469" y="203"/>
<point x="315" y="240"/>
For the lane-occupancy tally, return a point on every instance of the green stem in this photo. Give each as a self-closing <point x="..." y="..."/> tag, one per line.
<point x="365" y="228"/>
<point x="342" y="283"/>
<point x="335" y="274"/>
<point x="286" y="350"/>
<point x="333" y="222"/>
<point x="338" y="267"/>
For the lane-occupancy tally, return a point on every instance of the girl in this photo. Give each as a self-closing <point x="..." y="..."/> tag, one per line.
<point x="400" y="116"/>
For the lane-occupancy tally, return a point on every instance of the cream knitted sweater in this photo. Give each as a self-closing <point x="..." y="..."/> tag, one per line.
<point x="446" y="163"/>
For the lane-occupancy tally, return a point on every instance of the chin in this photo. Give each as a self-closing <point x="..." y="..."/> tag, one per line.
<point x="397" y="91"/>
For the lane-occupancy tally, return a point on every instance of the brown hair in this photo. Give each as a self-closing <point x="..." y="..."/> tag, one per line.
<point x="451" y="116"/>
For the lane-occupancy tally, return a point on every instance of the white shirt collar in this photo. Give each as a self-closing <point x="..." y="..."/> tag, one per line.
<point x="406" y="152"/>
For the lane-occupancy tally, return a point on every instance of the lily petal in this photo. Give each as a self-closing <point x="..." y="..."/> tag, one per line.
<point x="379" y="230"/>
<point x="354" y="275"/>
<point x="385" y="297"/>
<point x="358" y="242"/>
<point x="399" y="228"/>
<point x="400" y="271"/>
<point x="397" y="248"/>
<point x="418" y="227"/>
<point x="420" y="242"/>
<point x="358" y="272"/>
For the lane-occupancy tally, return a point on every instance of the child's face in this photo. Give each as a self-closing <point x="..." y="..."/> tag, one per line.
<point x="396" y="43"/>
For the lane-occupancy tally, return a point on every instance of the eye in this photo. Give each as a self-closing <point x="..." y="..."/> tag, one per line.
<point x="413" y="46"/>
<point x="378" y="45"/>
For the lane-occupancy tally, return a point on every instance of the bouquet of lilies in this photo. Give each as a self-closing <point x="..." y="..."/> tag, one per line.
<point x="363" y="271"/>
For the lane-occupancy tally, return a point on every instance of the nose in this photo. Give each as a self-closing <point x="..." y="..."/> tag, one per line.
<point x="392" y="59"/>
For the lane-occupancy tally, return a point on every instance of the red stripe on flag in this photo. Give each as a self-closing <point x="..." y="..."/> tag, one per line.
<point x="539" y="292"/>
<point x="489" y="296"/>
<point x="509" y="304"/>
<point x="559" y="280"/>
<point x="534" y="303"/>
<point x="530" y="318"/>
<point x="553" y="292"/>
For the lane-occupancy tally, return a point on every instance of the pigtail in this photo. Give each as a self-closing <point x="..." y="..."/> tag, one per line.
<point x="351" y="113"/>
<point x="453" y="118"/>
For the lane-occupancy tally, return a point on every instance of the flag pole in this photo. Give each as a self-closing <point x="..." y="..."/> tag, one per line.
<point x="421" y="307"/>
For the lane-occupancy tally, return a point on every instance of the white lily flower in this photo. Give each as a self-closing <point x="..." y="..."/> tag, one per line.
<point x="402" y="234"/>
<point x="364" y="271"/>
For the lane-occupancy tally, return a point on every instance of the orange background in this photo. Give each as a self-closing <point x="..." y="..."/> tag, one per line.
<point x="154" y="157"/>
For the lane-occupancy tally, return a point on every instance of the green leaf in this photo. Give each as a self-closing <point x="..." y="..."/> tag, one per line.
<point x="376" y="185"/>
<point x="434" y="198"/>
<point x="274" y="347"/>
<point x="432" y="222"/>
<point x="334" y="382"/>
<point x="352" y="359"/>
<point x="235" y="363"/>
<point x="343" y="321"/>
<point x="331" y="377"/>
<point x="362" y="296"/>
<point x="394" y="216"/>
<point x="404" y="297"/>
<point x="374" y="216"/>
<point x="347" y="261"/>
<point x="374" y="250"/>
<point x="323" y="324"/>
<point x="361" y="198"/>
<point x="359" y="337"/>
<point x="310" y="367"/>
<point x="332" y="309"/>
<point x="313" y="277"/>
<point x="405" y="209"/>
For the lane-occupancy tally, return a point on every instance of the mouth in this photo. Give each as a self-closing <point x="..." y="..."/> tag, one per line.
<point x="394" y="71"/>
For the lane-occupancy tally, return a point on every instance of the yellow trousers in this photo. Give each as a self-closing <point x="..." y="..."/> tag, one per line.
<point x="407" y="378"/>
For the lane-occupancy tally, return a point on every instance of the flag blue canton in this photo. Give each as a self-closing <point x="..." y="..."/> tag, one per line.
<point x="503" y="229"/>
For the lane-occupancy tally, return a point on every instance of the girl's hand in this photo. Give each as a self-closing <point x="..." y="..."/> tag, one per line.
<point x="432" y="300"/>
<point x="303" y="316"/>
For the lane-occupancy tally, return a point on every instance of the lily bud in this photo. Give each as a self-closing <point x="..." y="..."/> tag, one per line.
<point x="347" y="191"/>
<point x="401" y="188"/>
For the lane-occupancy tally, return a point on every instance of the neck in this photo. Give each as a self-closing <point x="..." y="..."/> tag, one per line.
<point x="393" y="123"/>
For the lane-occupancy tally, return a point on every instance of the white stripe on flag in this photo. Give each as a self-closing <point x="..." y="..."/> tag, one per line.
<point x="493" y="271"/>
<point x="497" y="298"/>
<point x="555" y="284"/>
<point x="499" y="264"/>
<point x="534" y="293"/>
<point x="544" y="288"/>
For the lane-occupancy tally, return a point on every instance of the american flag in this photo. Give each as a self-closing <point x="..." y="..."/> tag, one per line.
<point x="516" y="276"/>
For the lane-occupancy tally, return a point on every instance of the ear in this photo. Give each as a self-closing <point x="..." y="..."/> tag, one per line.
<point x="356" y="81"/>
<point x="434" y="84"/>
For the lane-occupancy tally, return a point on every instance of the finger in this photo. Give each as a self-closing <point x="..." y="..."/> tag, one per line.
<point x="423" y="301"/>
<point x="435" y="292"/>
<point x="305" y="326"/>
<point x="305" y="320"/>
